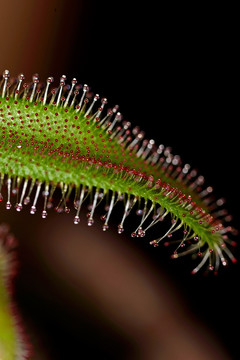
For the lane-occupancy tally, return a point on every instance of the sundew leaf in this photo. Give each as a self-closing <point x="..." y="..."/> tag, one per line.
<point x="66" y="138"/>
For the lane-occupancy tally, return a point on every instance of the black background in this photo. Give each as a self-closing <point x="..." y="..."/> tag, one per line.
<point x="172" y="69"/>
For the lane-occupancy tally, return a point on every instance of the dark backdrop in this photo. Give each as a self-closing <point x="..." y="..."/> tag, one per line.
<point x="172" y="69"/>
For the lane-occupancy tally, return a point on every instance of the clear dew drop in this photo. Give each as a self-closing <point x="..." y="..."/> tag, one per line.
<point x="44" y="214"/>
<point x="8" y="205"/>
<point x="105" y="227"/>
<point x="90" y="222"/>
<point x="18" y="207"/>
<point x="120" y="229"/>
<point x="33" y="210"/>
<point x="76" y="220"/>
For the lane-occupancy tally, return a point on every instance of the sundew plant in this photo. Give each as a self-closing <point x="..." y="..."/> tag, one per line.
<point x="66" y="139"/>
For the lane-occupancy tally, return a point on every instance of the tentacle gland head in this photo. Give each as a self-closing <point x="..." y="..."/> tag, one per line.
<point x="64" y="138"/>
